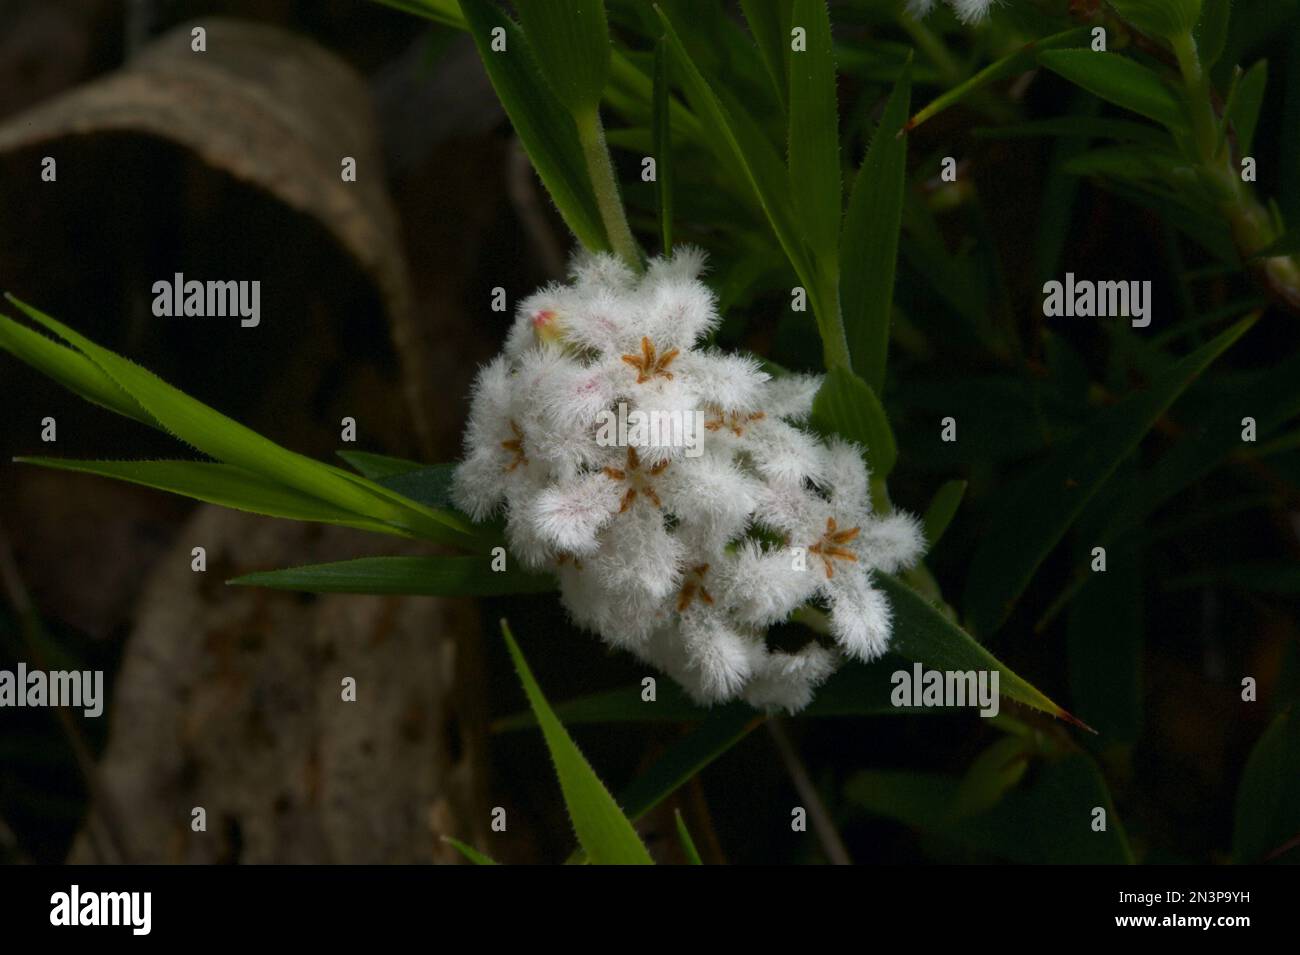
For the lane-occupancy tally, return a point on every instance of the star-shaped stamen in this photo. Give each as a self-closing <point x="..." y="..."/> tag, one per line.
<point x="733" y="421"/>
<point x="515" y="446"/>
<point x="648" y="366"/>
<point x="636" y="479"/>
<point x="829" y="547"/>
<point x="694" y="587"/>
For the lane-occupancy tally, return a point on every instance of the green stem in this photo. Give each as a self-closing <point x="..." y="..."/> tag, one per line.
<point x="1252" y="226"/>
<point x="592" y="136"/>
<point x="835" y="341"/>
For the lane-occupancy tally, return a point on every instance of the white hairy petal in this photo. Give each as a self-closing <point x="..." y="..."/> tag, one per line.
<point x="671" y="488"/>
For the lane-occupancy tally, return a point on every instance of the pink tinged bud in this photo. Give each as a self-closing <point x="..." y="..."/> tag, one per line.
<point x="546" y="324"/>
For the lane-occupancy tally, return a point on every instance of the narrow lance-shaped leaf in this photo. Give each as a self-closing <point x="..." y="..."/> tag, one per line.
<point x="546" y="129"/>
<point x="379" y="466"/>
<point x="739" y="142"/>
<point x="1248" y="99"/>
<point x="1118" y="80"/>
<point x="71" y="369"/>
<point x="869" y="247"/>
<point x="1015" y="62"/>
<point x="663" y="145"/>
<point x="570" y="39"/>
<point x="605" y="834"/>
<point x="688" y="844"/>
<point x="429" y="576"/>
<point x="469" y="852"/>
<point x="769" y="22"/>
<point x="226" y="440"/>
<point x="846" y="405"/>
<point x="814" y="143"/>
<point x="1036" y="514"/>
<point x="923" y="634"/>
<point x="1212" y="31"/>
<point x="224" y="485"/>
<point x="722" y="729"/>
<point x="942" y="509"/>
<point x="1162" y="18"/>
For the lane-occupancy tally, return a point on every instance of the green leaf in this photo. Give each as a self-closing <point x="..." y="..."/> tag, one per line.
<point x="869" y="246"/>
<point x="1163" y="18"/>
<point x="622" y="705"/>
<point x="859" y="689"/>
<point x="942" y="509"/>
<point x="428" y="576"/>
<point x="1247" y="100"/>
<point x="230" y="442"/>
<point x="570" y="39"/>
<point x="994" y="772"/>
<point x="688" y="844"/>
<point x="1118" y="80"/>
<point x="1268" y="799"/>
<point x="814" y="143"/>
<point x="663" y="145"/>
<point x="739" y="143"/>
<point x="430" y="486"/>
<point x="846" y="405"/>
<point x="769" y="22"/>
<point x="545" y="127"/>
<point x="74" y="371"/>
<point x="1049" y="822"/>
<point x="469" y="852"/>
<point x="1036" y="513"/>
<point x="923" y="634"/>
<point x="1212" y="31"/>
<point x="446" y="12"/>
<point x="220" y="484"/>
<point x="1018" y="61"/>
<point x="603" y="831"/>
<point x="378" y="466"/>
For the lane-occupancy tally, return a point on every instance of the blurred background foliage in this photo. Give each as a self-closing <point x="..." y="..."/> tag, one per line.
<point x="1071" y="433"/>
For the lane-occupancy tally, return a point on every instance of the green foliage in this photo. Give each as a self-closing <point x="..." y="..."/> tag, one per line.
<point x="544" y="125"/>
<point x="603" y="831"/>
<point x="1047" y="502"/>
<point x="1118" y="80"/>
<point x="926" y="304"/>
<point x="846" y="405"/>
<point x="431" y="576"/>
<point x="571" y="41"/>
<point x="142" y="395"/>
<point x="1268" y="802"/>
<point x="1163" y="18"/>
<point x="870" y="241"/>
<point x="688" y="844"/>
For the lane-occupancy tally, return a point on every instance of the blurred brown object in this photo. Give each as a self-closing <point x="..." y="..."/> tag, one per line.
<point x="228" y="164"/>
<point x="230" y="699"/>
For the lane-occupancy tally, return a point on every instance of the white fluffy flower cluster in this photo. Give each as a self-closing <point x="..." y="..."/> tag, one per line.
<point x="681" y="552"/>
<point x="967" y="11"/>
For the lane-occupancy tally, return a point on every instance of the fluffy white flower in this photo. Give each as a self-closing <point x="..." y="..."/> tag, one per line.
<point x="681" y="542"/>
<point x="967" y="11"/>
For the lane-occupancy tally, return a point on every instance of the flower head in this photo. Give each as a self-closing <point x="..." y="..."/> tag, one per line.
<point x="682" y="545"/>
